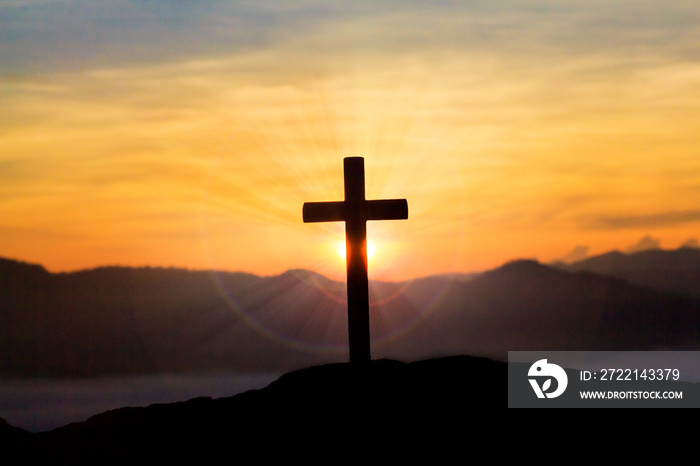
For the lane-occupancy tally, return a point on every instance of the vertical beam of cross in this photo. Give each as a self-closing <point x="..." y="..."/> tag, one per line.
<point x="355" y="211"/>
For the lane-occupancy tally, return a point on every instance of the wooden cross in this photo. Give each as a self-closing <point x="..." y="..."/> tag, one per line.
<point x="355" y="211"/>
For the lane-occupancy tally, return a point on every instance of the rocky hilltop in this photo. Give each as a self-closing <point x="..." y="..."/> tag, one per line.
<point x="342" y="403"/>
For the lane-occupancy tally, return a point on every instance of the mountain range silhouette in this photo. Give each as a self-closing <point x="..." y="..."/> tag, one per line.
<point x="122" y="321"/>
<point x="675" y="271"/>
<point x="440" y="344"/>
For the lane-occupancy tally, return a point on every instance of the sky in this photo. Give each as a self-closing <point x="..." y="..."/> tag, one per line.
<point x="189" y="134"/>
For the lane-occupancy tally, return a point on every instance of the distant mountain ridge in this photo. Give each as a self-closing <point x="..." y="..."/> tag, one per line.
<point x="675" y="271"/>
<point x="119" y="320"/>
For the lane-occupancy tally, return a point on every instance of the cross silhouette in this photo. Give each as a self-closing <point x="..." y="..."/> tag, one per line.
<point x="355" y="211"/>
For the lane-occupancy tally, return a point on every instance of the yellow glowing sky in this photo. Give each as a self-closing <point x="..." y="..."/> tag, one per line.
<point x="189" y="134"/>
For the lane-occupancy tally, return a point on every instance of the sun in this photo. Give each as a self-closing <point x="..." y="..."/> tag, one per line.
<point x="371" y="249"/>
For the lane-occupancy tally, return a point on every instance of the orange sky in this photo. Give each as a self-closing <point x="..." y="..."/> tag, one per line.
<point x="190" y="136"/>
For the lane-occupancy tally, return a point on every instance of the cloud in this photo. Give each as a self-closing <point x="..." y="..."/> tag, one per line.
<point x="579" y="253"/>
<point x="84" y="33"/>
<point x="664" y="219"/>
<point x="69" y="34"/>
<point x="644" y="244"/>
<point x="691" y="243"/>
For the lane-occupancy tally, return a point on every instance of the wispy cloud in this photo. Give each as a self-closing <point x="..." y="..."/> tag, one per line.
<point x="645" y="244"/>
<point x="74" y="34"/>
<point x="691" y="243"/>
<point x="657" y="220"/>
<point x="577" y="254"/>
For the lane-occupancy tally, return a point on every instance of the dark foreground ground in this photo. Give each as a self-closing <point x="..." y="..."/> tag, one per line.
<point x="299" y="415"/>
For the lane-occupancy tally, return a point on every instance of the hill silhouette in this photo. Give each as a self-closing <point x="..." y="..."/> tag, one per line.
<point x="117" y="320"/>
<point x="332" y="401"/>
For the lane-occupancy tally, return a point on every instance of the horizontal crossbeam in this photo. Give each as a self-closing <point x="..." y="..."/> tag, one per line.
<point x="340" y="211"/>
<point x="313" y="212"/>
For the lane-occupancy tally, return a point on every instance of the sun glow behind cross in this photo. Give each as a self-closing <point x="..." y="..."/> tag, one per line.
<point x="342" y="251"/>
